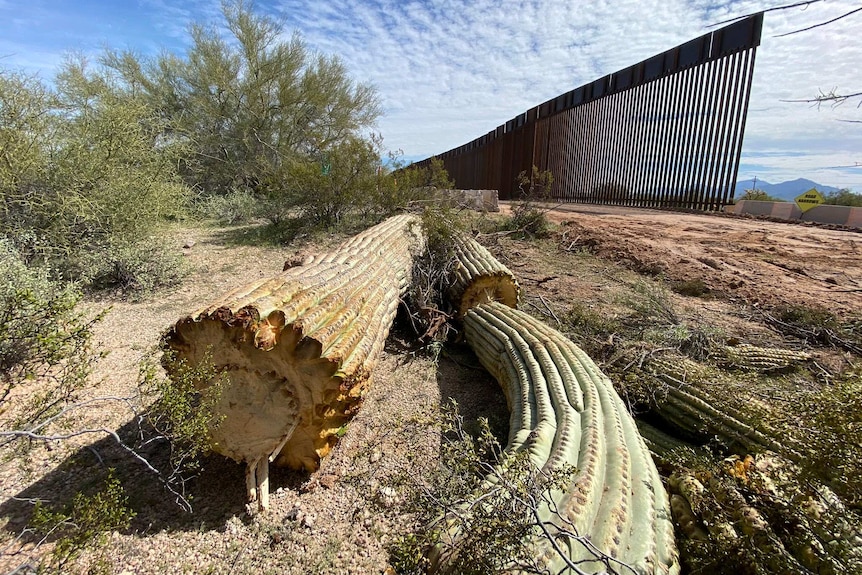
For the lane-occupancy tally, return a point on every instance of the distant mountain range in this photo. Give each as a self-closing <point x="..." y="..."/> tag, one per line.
<point x="785" y="190"/>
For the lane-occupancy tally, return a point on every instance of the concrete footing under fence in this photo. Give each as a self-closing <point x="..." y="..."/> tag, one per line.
<point x="838" y="215"/>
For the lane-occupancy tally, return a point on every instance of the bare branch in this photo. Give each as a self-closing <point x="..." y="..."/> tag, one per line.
<point x="776" y="8"/>
<point x="831" y="96"/>
<point x="845" y="15"/>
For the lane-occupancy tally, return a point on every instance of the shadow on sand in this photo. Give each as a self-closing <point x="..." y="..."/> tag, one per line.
<point x="216" y="494"/>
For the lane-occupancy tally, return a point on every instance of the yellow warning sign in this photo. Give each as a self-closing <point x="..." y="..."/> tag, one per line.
<point x="809" y="199"/>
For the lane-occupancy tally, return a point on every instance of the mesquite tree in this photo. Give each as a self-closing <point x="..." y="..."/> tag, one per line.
<point x="254" y="107"/>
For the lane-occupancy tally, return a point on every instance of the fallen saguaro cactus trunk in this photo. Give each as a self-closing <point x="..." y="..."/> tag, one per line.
<point x="299" y="348"/>
<point x="566" y="413"/>
<point x="478" y="277"/>
<point x="566" y="416"/>
<point x="763" y="359"/>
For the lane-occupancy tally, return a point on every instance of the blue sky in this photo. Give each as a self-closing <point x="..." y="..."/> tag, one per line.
<point x="449" y="71"/>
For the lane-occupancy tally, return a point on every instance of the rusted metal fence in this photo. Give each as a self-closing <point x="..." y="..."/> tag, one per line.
<point x="665" y="133"/>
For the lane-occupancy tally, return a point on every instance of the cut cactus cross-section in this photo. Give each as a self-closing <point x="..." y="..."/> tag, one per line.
<point x="298" y="348"/>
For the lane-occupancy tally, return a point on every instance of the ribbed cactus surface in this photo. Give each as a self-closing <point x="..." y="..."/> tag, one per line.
<point x="564" y="412"/>
<point x="299" y="347"/>
<point x="703" y="408"/>
<point x="764" y="359"/>
<point x="478" y="277"/>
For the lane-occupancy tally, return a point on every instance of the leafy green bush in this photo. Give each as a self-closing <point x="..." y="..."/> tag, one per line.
<point x="528" y="217"/>
<point x="238" y="206"/>
<point x="412" y="187"/>
<point x="83" y="522"/>
<point x="255" y="105"/>
<point x="758" y="196"/>
<point x="46" y="352"/>
<point x="85" y="175"/>
<point x="343" y="179"/>
<point x="844" y="198"/>
<point x="179" y="413"/>
<point x="139" y="268"/>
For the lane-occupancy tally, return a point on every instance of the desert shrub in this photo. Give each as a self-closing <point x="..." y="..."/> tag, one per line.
<point x="179" y="413"/>
<point x="495" y="536"/>
<point x="83" y="522"/>
<point x="758" y="196"/>
<point x="693" y="287"/>
<point x="590" y="328"/>
<point x="255" y="104"/>
<point x="528" y="216"/>
<point x="339" y="181"/>
<point x="46" y="352"/>
<point x="238" y="206"/>
<point x="430" y="310"/>
<point x="655" y="320"/>
<point x="844" y="197"/>
<point x="817" y="326"/>
<point x="84" y="170"/>
<point x="136" y="268"/>
<point x="406" y="187"/>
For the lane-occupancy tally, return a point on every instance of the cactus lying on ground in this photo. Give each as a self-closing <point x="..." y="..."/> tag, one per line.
<point x="565" y="416"/>
<point x="566" y="413"/>
<point x="763" y="359"/>
<point x="658" y="442"/>
<point x="478" y="277"/>
<point x="758" y="509"/>
<point x="701" y="408"/>
<point x="299" y="348"/>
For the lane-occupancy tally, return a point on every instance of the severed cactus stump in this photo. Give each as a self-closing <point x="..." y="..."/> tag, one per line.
<point x="478" y="277"/>
<point x="299" y="349"/>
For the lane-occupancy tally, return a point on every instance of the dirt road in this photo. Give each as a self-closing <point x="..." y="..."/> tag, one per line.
<point x="764" y="262"/>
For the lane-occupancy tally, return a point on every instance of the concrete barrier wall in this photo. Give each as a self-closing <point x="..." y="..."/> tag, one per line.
<point x="480" y="200"/>
<point x="838" y="215"/>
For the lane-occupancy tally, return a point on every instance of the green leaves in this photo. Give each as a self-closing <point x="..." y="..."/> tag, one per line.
<point x="85" y="171"/>
<point x="252" y="105"/>
<point x="44" y="343"/>
<point x="182" y="406"/>
<point x="85" y="520"/>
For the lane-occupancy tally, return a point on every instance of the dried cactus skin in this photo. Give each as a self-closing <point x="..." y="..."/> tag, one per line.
<point x="566" y="413"/>
<point x="478" y="277"/>
<point x="299" y="347"/>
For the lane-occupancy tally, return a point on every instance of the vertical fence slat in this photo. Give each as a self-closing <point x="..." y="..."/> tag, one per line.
<point x="664" y="133"/>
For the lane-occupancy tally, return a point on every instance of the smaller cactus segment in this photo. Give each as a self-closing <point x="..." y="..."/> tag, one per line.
<point x="299" y="348"/>
<point x="565" y="414"/>
<point x="658" y="442"/>
<point x="758" y="504"/>
<point x="478" y="277"/>
<point x="700" y="408"/>
<point x="763" y="359"/>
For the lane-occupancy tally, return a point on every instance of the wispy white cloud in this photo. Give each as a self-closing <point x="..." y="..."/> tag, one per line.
<point x="451" y="70"/>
